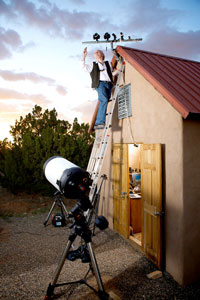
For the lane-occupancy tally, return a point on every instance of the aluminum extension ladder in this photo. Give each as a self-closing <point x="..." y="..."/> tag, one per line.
<point x="101" y="139"/>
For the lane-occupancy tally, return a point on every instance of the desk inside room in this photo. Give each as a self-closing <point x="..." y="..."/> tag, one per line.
<point x="135" y="212"/>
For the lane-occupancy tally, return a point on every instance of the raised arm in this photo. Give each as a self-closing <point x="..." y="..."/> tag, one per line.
<point x="84" y="53"/>
<point x="86" y="67"/>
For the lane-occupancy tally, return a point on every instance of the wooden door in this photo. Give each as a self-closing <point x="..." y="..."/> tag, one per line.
<point x="151" y="187"/>
<point x="121" y="204"/>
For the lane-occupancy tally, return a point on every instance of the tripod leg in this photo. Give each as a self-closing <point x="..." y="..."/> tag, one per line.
<point x="61" y="263"/>
<point x="47" y="218"/>
<point x="64" y="207"/>
<point x="52" y="285"/>
<point x="102" y="294"/>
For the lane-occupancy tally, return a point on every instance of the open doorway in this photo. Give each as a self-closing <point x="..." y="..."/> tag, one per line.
<point x="137" y="196"/>
<point x="135" y="227"/>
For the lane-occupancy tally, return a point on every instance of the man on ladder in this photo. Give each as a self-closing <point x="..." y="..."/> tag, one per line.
<point x="102" y="74"/>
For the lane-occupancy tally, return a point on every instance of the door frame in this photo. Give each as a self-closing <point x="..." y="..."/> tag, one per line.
<point x="150" y="210"/>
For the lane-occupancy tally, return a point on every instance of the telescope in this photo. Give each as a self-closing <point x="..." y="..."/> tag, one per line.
<point x="74" y="182"/>
<point x="69" y="179"/>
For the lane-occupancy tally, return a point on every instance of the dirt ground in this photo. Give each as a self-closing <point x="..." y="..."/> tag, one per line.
<point x="30" y="252"/>
<point x="22" y="204"/>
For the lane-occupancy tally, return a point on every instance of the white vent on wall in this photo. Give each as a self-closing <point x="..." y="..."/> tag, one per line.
<point x="124" y="102"/>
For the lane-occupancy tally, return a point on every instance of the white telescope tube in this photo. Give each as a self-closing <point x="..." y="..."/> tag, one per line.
<point x="54" y="168"/>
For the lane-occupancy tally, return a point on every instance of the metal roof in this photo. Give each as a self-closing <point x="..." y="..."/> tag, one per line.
<point x="177" y="79"/>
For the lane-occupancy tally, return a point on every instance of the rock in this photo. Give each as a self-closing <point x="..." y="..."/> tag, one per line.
<point x="113" y="296"/>
<point x="154" y="275"/>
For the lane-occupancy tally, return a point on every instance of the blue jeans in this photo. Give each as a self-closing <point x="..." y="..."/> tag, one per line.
<point x="104" y="92"/>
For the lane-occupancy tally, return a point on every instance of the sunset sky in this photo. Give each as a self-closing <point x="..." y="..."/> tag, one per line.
<point x="41" y="48"/>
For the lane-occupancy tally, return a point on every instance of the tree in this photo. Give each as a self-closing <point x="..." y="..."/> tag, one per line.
<point x="37" y="137"/>
<point x="35" y="123"/>
<point x="5" y="146"/>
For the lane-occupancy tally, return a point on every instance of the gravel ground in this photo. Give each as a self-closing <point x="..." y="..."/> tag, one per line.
<point x="29" y="254"/>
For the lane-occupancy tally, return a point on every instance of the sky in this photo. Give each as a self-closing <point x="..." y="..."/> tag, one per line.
<point x="41" y="48"/>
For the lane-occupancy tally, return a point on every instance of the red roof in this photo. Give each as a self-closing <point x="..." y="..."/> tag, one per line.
<point x="177" y="79"/>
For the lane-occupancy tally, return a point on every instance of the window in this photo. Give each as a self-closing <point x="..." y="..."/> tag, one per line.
<point x="124" y="102"/>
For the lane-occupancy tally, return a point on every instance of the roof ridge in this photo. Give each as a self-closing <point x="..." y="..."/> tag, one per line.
<point x="159" y="54"/>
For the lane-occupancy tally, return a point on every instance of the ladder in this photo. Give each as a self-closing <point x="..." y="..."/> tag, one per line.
<point x="101" y="139"/>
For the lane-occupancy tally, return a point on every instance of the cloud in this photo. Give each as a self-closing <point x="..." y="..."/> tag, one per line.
<point x="150" y="19"/>
<point x="173" y="42"/>
<point x="61" y="90"/>
<point x="158" y="27"/>
<point x="78" y="2"/>
<point x="7" y="107"/>
<point x="6" y="94"/>
<point x="150" y="15"/>
<point x="14" y="76"/>
<point x="10" y="112"/>
<point x="9" y="40"/>
<point x="86" y="110"/>
<point x="4" y="10"/>
<point x="33" y="77"/>
<point x="46" y="2"/>
<point x="55" y="21"/>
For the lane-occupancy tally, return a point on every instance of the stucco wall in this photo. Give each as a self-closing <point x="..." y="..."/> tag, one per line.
<point x="154" y="120"/>
<point x="191" y="195"/>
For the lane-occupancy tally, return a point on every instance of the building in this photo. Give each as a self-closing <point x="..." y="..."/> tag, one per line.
<point x="152" y="193"/>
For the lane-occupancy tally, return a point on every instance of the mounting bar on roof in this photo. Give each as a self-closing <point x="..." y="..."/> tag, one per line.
<point x="107" y="36"/>
<point x="96" y="37"/>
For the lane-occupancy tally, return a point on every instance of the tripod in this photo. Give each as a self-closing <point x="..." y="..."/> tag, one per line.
<point x="60" y="203"/>
<point x="80" y="228"/>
